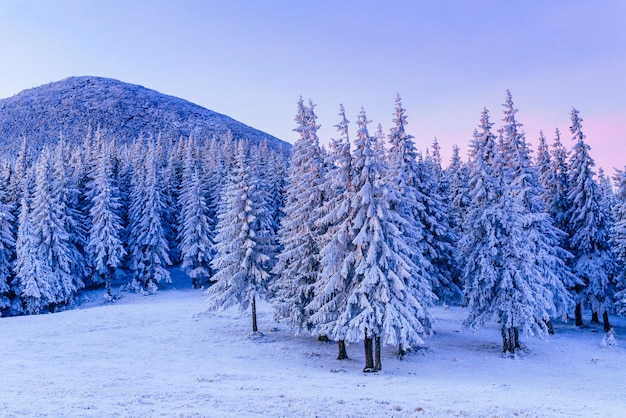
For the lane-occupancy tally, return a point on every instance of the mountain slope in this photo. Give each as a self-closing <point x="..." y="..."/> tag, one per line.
<point x="123" y="111"/>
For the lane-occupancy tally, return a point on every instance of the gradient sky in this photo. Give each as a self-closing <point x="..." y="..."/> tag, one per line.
<point x="253" y="59"/>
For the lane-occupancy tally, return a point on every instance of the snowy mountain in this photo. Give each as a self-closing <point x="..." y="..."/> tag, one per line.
<point x="123" y="111"/>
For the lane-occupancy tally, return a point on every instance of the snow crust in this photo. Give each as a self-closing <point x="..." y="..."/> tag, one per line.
<point x="159" y="355"/>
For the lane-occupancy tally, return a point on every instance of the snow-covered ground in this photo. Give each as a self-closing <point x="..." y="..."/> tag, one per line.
<point x="156" y="356"/>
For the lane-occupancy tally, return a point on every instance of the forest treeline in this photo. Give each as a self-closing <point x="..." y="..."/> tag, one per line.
<point x="353" y="242"/>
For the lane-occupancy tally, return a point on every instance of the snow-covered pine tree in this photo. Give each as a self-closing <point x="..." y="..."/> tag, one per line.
<point x="30" y="285"/>
<point x="195" y="234"/>
<point x="298" y="265"/>
<point x="458" y="179"/>
<point x="386" y="301"/>
<point x="523" y="179"/>
<point x="240" y="261"/>
<point x="618" y="239"/>
<point x="148" y="246"/>
<point x="428" y="232"/>
<point x="502" y="280"/>
<point x="49" y="221"/>
<point x="557" y="194"/>
<point x="334" y="240"/>
<point x="104" y="248"/>
<point x="593" y="261"/>
<point x="7" y="248"/>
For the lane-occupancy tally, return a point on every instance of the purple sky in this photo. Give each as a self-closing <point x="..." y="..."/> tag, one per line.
<point x="252" y="60"/>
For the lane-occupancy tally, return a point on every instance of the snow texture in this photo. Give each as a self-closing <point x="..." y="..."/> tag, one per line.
<point x="155" y="356"/>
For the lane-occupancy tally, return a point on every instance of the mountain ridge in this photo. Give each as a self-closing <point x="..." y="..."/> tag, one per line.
<point x="123" y="111"/>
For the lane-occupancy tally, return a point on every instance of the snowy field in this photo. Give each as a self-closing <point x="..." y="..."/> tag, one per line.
<point x="155" y="356"/>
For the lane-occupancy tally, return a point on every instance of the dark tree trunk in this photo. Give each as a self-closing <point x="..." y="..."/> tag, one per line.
<point x="579" y="315"/>
<point x="516" y="335"/>
<point x="594" y="318"/>
<point x="107" y="280"/>
<point x="550" y="327"/>
<point x="369" y="358"/>
<point x="377" y="364"/>
<point x="508" y="340"/>
<point x="401" y="351"/>
<point x="343" y="354"/>
<point x="254" y="327"/>
<point x="605" y="318"/>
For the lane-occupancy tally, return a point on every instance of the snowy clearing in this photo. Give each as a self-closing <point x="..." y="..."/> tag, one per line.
<point x="155" y="356"/>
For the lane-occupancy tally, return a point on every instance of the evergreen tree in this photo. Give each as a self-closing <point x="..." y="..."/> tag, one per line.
<point x="104" y="245"/>
<point x="31" y="285"/>
<point x="334" y="218"/>
<point x="523" y="179"/>
<point x="148" y="245"/>
<point x="618" y="239"/>
<point x="7" y="248"/>
<point x="500" y="270"/>
<point x="458" y="180"/>
<point x="385" y="301"/>
<point x="298" y="265"/>
<point x="240" y="260"/>
<point x="593" y="261"/>
<point x="195" y="234"/>
<point x="56" y="255"/>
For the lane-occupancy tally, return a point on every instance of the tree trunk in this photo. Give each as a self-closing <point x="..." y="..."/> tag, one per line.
<point x="508" y="340"/>
<point x="594" y="318"/>
<point x="550" y="327"/>
<point x="369" y="358"/>
<point x="343" y="354"/>
<point x="605" y="318"/>
<point x="107" y="280"/>
<point x="516" y="335"/>
<point x="401" y="351"/>
<point x="579" y="315"/>
<point x="377" y="364"/>
<point x="254" y="327"/>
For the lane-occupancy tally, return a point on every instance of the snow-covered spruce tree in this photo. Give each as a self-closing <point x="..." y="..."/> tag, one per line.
<point x="195" y="234"/>
<point x="500" y="267"/>
<point x="334" y="240"/>
<point x="56" y="261"/>
<point x="298" y="265"/>
<point x="593" y="261"/>
<point x="172" y="170"/>
<point x="427" y="233"/>
<point x="382" y="301"/>
<point x="31" y="281"/>
<point x="618" y="239"/>
<point x="148" y="246"/>
<point x="104" y="245"/>
<point x="556" y="196"/>
<point x="240" y="260"/>
<point x="458" y="179"/>
<point x="7" y="248"/>
<point x="524" y="182"/>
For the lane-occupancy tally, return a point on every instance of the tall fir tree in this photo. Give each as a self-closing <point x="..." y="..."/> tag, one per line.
<point x="298" y="265"/>
<point x="502" y="280"/>
<point x="588" y="218"/>
<point x="241" y="263"/>
<point x="148" y="244"/>
<point x="7" y="248"/>
<point x="618" y="239"/>
<point x="334" y="240"/>
<point x="104" y="244"/>
<point x="386" y="302"/>
<point x="195" y="226"/>
<point x="524" y="183"/>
